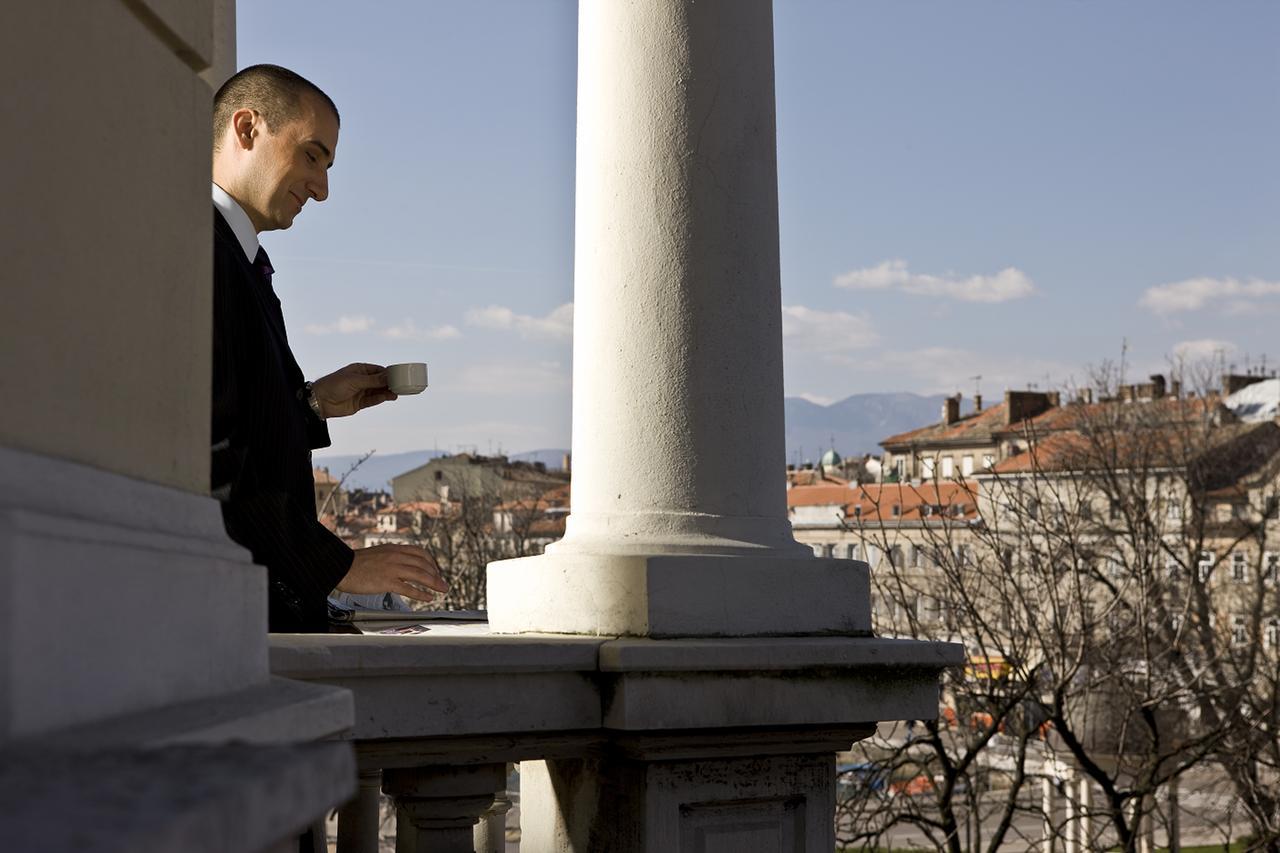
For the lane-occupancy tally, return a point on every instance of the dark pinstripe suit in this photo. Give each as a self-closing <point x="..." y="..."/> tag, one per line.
<point x="263" y="433"/>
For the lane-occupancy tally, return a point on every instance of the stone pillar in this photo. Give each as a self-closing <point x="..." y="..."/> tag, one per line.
<point x="491" y="831"/>
<point x="222" y="62"/>
<point x="759" y="803"/>
<point x="679" y="524"/>
<point x="437" y="807"/>
<point x="359" y="821"/>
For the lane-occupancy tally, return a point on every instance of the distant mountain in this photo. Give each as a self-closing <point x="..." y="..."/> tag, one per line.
<point x="376" y="471"/>
<point x="855" y="424"/>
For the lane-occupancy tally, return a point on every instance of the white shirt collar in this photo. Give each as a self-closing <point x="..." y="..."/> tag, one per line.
<point x="239" y="221"/>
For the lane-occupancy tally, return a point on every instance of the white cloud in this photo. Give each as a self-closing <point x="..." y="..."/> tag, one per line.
<point x="1009" y="283"/>
<point x="352" y="325"/>
<point x="409" y="331"/>
<point x="360" y="324"/>
<point x="1202" y="350"/>
<point x="558" y="325"/>
<point x="1192" y="294"/>
<point x="810" y="330"/>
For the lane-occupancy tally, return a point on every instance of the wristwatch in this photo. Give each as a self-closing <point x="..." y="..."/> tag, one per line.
<point x="309" y="394"/>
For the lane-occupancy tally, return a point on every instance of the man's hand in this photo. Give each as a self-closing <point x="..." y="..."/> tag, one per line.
<point x="354" y="387"/>
<point x="393" y="568"/>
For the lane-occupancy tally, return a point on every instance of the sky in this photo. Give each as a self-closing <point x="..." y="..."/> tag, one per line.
<point x="1017" y="191"/>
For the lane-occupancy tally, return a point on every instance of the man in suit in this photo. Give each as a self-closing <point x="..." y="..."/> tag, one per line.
<point x="274" y="139"/>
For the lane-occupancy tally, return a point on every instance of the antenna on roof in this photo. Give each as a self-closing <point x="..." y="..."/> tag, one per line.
<point x="977" y="385"/>
<point x="1124" y="354"/>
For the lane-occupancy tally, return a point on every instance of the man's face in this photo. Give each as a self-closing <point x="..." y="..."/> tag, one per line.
<point x="291" y="165"/>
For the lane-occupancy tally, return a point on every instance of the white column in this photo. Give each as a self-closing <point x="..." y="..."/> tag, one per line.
<point x="679" y="524"/>
<point x="1084" y="822"/>
<point x="1046" y="791"/>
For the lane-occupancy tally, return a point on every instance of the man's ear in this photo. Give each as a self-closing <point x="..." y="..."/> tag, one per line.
<point x="245" y="124"/>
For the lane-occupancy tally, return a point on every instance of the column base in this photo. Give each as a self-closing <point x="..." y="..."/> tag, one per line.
<point x="678" y="596"/>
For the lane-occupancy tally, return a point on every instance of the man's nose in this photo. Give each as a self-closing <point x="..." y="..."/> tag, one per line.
<point x="319" y="187"/>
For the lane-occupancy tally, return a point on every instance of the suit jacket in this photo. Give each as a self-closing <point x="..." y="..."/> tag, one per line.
<point x="263" y="433"/>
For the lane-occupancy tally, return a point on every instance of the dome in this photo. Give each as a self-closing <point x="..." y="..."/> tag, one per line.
<point x="830" y="459"/>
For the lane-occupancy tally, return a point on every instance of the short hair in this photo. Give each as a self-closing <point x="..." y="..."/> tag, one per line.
<point x="275" y="92"/>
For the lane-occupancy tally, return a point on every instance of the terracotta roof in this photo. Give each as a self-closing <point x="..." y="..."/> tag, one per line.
<point x="976" y="427"/>
<point x="557" y="498"/>
<point x="876" y="501"/>
<point x="813" y="477"/>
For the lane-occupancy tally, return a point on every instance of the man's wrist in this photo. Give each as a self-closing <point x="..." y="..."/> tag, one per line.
<point x="308" y="393"/>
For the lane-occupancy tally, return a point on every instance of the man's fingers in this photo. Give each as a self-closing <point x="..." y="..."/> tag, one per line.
<point x="408" y="590"/>
<point x="361" y="367"/>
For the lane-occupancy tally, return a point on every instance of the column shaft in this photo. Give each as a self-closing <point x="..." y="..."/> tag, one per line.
<point x="678" y="420"/>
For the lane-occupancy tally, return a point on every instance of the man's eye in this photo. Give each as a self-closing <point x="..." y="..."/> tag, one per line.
<point x="311" y="157"/>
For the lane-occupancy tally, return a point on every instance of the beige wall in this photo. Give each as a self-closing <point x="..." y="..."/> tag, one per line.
<point x="106" y="249"/>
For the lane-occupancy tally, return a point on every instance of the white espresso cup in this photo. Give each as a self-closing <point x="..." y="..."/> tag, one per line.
<point x="408" y="378"/>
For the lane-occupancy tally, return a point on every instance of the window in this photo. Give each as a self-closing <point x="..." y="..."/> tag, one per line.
<point x="851" y="551"/>
<point x="1270" y="566"/>
<point x="896" y="556"/>
<point x="927" y="464"/>
<point x="988" y="461"/>
<point x="1239" y="631"/>
<point x="1271" y="636"/>
<point x="439" y="475"/>
<point x="1172" y="567"/>
<point x="1086" y="511"/>
<point x="1225" y="511"/>
<point x="948" y="467"/>
<point x="966" y="465"/>
<point x="1205" y="565"/>
<point x="828" y="550"/>
<point x="926" y="510"/>
<point x="916" y="556"/>
<point x="1239" y="567"/>
<point x="896" y="510"/>
<point x="857" y="511"/>
<point x="900" y="468"/>
<point x="1173" y="511"/>
<point x="1114" y="511"/>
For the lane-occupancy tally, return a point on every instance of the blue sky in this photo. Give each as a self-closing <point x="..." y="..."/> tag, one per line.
<point x="996" y="188"/>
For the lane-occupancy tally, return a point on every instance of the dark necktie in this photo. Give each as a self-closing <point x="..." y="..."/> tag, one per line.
<point x="262" y="264"/>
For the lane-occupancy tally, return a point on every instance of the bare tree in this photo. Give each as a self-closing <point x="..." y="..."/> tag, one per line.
<point x="1117" y="622"/>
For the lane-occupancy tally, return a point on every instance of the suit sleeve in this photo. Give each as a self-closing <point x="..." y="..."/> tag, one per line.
<point x="250" y="471"/>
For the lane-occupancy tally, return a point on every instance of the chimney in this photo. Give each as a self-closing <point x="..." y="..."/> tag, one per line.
<point x="1020" y="405"/>
<point x="951" y="410"/>
<point x="977" y="402"/>
<point x="566" y="463"/>
<point x="1175" y="389"/>
<point x="1054" y="398"/>
<point x="444" y="493"/>
<point x="1157" y="386"/>
<point x="1233" y="382"/>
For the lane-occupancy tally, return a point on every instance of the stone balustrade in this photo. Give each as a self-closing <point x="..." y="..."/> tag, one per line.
<point x="732" y="737"/>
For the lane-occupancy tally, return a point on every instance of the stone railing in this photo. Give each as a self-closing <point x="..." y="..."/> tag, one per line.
<point x="695" y="737"/>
